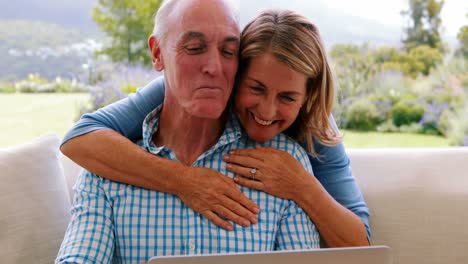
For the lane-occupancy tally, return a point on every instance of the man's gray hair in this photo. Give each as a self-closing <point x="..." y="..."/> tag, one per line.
<point x="160" y="27"/>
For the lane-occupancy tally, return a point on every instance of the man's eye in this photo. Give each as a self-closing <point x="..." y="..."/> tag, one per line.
<point x="194" y="49"/>
<point x="229" y="53"/>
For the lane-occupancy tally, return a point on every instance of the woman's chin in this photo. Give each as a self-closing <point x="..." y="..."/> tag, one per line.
<point x="259" y="138"/>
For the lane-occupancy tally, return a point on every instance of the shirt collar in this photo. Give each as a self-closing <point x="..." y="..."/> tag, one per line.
<point x="232" y="131"/>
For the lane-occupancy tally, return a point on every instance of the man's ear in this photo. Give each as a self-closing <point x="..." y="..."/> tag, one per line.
<point x="156" y="55"/>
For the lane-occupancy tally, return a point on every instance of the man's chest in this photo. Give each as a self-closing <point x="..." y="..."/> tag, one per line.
<point x="150" y="223"/>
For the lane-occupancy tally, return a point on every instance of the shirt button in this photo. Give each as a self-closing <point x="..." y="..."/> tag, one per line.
<point x="192" y="246"/>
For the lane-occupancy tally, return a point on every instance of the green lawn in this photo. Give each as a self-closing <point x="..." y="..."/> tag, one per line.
<point x="354" y="139"/>
<point x="26" y="116"/>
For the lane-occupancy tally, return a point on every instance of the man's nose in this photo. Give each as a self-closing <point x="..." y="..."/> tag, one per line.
<point x="213" y="63"/>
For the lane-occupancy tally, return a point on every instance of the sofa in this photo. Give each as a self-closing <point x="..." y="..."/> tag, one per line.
<point x="418" y="199"/>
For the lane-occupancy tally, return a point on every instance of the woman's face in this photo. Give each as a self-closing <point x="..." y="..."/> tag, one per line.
<point x="269" y="97"/>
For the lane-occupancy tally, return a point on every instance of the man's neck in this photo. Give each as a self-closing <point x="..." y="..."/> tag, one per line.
<point x="186" y="135"/>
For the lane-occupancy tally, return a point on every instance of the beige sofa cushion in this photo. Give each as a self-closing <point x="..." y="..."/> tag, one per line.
<point x="418" y="199"/>
<point x="71" y="170"/>
<point x="34" y="205"/>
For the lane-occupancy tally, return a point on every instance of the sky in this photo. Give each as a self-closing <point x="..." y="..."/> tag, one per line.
<point x="388" y="11"/>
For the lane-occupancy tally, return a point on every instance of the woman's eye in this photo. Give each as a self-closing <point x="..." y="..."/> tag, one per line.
<point x="287" y="99"/>
<point x="256" y="89"/>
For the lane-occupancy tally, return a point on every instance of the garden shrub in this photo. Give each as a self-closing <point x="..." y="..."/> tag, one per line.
<point x="383" y="105"/>
<point x="33" y="87"/>
<point x="458" y="127"/>
<point x="117" y="84"/>
<point x="128" y="88"/>
<point x="414" y="128"/>
<point x="7" y="88"/>
<point x="35" y="84"/>
<point x="388" y="126"/>
<point x="404" y="113"/>
<point x="362" y="115"/>
<point x="444" y="122"/>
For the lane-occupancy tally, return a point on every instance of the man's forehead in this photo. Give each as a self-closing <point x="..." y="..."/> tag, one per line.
<point x="206" y="11"/>
<point x="189" y="35"/>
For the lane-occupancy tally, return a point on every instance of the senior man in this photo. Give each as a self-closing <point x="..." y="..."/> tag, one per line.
<point x="114" y="222"/>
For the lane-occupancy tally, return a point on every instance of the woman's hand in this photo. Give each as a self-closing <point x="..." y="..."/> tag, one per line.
<point x="217" y="197"/>
<point x="277" y="172"/>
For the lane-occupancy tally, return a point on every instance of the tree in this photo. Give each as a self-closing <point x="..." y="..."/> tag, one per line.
<point x="463" y="39"/>
<point x="424" y="23"/>
<point x="353" y="68"/>
<point x="128" y="23"/>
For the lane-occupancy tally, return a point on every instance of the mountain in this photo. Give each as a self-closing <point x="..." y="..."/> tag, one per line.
<point x="72" y="14"/>
<point x="334" y="27"/>
<point x="39" y="47"/>
<point x="56" y="24"/>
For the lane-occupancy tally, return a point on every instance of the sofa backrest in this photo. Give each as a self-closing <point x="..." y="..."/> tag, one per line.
<point x="418" y="200"/>
<point x="71" y="170"/>
<point x="34" y="205"/>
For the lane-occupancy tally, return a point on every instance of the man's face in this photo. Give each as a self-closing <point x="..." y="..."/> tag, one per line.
<point x="199" y="57"/>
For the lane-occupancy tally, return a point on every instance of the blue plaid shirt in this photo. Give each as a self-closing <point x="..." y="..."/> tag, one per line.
<point x="120" y="223"/>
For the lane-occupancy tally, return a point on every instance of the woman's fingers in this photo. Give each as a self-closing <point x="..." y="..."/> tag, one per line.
<point x="251" y="173"/>
<point x="210" y="191"/>
<point x="244" y="161"/>
<point x="256" y="153"/>
<point x="243" y="207"/>
<point x="229" y="215"/>
<point x="257" y="185"/>
<point x="218" y="221"/>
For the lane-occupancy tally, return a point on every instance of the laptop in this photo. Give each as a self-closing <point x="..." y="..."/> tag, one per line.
<point x="351" y="255"/>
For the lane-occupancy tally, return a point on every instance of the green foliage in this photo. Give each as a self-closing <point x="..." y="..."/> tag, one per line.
<point x="128" y="24"/>
<point x="128" y="88"/>
<point x="353" y="68"/>
<point x="424" y="24"/>
<point x="405" y="113"/>
<point x="444" y="122"/>
<point x="362" y="115"/>
<point x="7" y="88"/>
<point x="37" y="47"/>
<point x="414" y="128"/>
<point x="36" y="78"/>
<point x="36" y="84"/>
<point x="33" y="34"/>
<point x="458" y="127"/>
<point x="420" y="59"/>
<point x="462" y="37"/>
<point x="388" y="126"/>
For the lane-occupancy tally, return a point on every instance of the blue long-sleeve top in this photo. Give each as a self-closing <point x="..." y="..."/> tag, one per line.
<point x="127" y="115"/>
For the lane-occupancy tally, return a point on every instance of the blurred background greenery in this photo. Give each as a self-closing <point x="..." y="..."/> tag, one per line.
<point x="412" y="92"/>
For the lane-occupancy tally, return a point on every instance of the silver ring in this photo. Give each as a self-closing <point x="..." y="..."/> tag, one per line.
<point x="253" y="171"/>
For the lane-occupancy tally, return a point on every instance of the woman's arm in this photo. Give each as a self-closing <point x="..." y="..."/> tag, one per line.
<point x="94" y="145"/>
<point x="332" y="198"/>
<point x="279" y="174"/>
<point x="333" y="171"/>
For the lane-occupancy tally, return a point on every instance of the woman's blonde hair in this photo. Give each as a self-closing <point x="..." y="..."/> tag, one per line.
<point x="293" y="39"/>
